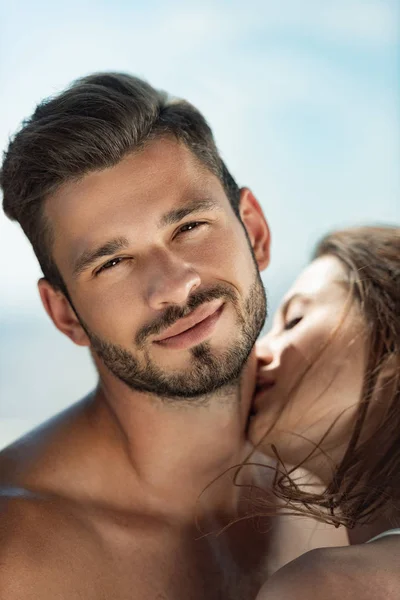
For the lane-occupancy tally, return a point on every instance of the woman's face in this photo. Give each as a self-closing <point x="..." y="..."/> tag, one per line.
<point x="311" y="366"/>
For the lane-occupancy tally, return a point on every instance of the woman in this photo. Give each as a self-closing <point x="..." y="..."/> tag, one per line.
<point x="328" y="399"/>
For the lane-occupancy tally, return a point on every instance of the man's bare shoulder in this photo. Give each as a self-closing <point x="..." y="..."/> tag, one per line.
<point x="39" y="538"/>
<point x="61" y="535"/>
<point x="29" y="523"/>
<point x="54" y="548"/>
<point x="337" y="573"/>
<point x="39" y="528"/>
<point x="30" y="456"/>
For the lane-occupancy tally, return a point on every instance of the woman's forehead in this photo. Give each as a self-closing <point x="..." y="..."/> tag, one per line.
<point x="318" y="275"/>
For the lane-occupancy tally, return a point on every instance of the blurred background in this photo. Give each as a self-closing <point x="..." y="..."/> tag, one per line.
<point x="304" y="100"/>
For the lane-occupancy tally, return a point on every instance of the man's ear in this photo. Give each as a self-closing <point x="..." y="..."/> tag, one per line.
<point x="256" y="227"/>
<point x="61" y="313"/>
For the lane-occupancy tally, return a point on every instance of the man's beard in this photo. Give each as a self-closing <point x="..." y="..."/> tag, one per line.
<point x="208" y="371"/>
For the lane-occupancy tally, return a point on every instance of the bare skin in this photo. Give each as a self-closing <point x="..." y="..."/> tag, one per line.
<point x="367" y="571"/>
<point x="102" y="502"/>
<point x="80" y="521"/>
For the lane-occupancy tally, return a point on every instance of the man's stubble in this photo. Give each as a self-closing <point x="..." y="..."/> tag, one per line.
<point x="209" y="371"/>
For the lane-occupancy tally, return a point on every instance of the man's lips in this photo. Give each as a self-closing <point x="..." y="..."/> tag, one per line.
<point x="197" y="316"/>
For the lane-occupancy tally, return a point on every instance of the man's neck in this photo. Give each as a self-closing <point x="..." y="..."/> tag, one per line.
<point x="173" y="450"/>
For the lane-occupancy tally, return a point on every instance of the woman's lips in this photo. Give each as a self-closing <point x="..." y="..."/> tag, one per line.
<point x="265" y="380"/>
<point x="193" y="334"/>
<point x="262" y="389"/>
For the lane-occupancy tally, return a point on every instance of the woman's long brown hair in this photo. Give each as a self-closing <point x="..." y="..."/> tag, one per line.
<point x="368" y="477"/>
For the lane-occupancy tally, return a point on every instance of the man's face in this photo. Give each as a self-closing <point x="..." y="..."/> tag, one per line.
<point x="160" y="272"/>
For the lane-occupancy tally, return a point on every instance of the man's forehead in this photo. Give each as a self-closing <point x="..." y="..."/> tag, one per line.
<point x="137" y="195"/>
<point x="165" y="172"/>
<point x="165" y="167"/>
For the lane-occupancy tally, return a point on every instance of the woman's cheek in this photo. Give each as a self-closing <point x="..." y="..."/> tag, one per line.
<point x="312" y="335"/>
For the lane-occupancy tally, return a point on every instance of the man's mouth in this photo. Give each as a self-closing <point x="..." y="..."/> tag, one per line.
<point x="194" y="328"/>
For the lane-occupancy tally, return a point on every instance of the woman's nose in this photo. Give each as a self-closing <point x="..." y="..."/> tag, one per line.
<point x="264" y="351"/>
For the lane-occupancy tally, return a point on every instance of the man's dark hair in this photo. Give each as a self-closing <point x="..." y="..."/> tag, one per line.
<point x="90" y="126"/>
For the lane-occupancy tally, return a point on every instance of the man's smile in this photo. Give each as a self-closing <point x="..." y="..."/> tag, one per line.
<point x="194" y="328"/>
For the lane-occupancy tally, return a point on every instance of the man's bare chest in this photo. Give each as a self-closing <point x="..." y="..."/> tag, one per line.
<point x="75" y="553"/>
<point x="177" y="565"/>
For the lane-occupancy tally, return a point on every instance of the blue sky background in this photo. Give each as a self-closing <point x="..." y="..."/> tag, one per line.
<point x="304" y="100"/>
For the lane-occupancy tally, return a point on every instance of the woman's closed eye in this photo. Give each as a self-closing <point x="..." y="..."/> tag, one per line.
<point x="292" y="323"/>
<point x="294" y="310"/>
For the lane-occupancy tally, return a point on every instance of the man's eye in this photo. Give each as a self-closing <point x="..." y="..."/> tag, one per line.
<point x="190" y="226"/>
<point x="110" y="264"/>
<point x="292" y="323"/>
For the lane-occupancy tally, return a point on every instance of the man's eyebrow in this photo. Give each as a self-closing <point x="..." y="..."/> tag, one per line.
<point x="177" y="214"/>
<point x="173" y="216"/>
<point x="88" y="257"/>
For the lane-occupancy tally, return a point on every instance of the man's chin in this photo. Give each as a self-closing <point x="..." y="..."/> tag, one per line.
<point x="198" y="382"/>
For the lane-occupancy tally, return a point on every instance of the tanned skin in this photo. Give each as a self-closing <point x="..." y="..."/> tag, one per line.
<point x="104" y="501"/>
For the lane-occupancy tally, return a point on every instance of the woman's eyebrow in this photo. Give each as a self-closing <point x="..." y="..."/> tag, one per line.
<point x="297" y="296"/>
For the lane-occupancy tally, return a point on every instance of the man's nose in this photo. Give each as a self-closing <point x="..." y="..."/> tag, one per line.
<point x="171" y="281"/>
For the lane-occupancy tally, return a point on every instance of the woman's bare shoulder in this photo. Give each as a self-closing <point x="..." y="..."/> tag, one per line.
<point x="298" y="579"/>
<point x="367" y="571"/>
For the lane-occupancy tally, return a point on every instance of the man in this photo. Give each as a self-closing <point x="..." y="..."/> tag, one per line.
<point x="151" y="257"/>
